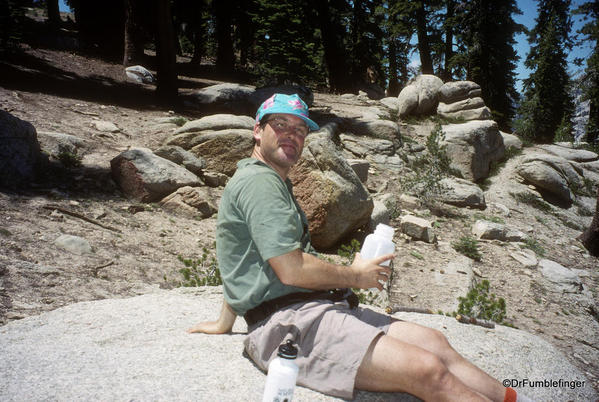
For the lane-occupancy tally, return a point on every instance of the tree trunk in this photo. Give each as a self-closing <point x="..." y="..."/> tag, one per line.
<point x="165" y="53"/>
<point x="339" y="77"/>
<point x="424" y="48"/>
<point x="590" y="237"/>
<point x="393" y="89"/>
<point x="134" y="45"/>
<point x="225" y="59"/>
<point x="53" y="12"/>
<point x="446" y="74"/>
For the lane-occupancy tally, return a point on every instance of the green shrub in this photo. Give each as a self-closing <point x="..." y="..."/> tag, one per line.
<point x="202" y="271"/>
<point x="69" y="159"/>
<point x="348" y="251"/>
<point x="429" y="169"/>
<point x="467" y="246"/>
<point x="535" y="246"/>
<point x="478" y="303"/>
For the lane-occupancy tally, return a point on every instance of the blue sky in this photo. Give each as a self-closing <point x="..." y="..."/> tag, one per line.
<point x="529" y="13"/>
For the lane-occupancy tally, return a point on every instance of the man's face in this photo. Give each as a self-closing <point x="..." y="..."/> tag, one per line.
<point x="281" y="141"/>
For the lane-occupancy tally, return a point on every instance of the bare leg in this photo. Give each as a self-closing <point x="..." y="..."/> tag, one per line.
<point x="391" y="365"/>
<point x="435" y="342"/>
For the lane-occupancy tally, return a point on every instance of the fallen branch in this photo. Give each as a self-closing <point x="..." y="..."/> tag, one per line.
<point x="96" y="269"/>
<point x="406" y="309"/>
<point x="474" y="321"/>
<point x="77" y="215"/>
<point x="86" y="113"/>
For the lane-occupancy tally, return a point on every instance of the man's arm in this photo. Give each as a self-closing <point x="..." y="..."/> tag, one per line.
<point x="223" y="325"/>
<point x="304" y="270"/>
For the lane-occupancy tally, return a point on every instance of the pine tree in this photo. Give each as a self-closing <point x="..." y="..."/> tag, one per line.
<point x="288" y="48"/>
<point x="397" y="31"/>
<point x="547" y="101"/>
<point x="366" y="43"/>
<point x="488" y="34"/>
<point x="590" y="30"/>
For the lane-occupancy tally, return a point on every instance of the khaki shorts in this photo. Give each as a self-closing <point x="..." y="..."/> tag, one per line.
<point x="332" y="340"/>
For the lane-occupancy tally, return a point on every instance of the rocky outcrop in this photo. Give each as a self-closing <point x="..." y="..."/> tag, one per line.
<point x="473" y="146"/>
<point x="222" y="150"/>
<point x="380" y="129"/>
<point x="192" y="202"/>
<point x="330" y="193"/>
<point x="56" y="143"/>
<point x="461" y="193"/>
<point x="217" y="122"/>
<point x="420" y="96"/>
<point x="139" y="74"/>
<point x="461" y="100"/>
<point x="146" y="177"/>
<point x="137" y="349"/>
<point x="417" y="228"/>
<point x="229" y="97"/>
<point x="182" y="157"/>
<point x="20" y="151"/>
<point x="496" y="231"/>
<point x="558" y="173"/>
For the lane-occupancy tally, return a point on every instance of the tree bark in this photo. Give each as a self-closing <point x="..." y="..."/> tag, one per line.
<point x="165" y="53"/>
<point x="225" y="59"/>
<point x="53" y="12"/>
<point x="446" y="74"/>
<point x="134" y="51"/>
<point x="393" y="89"/>
<point x="424" y="48"/>
<point x="339" y="77"/>
<point x="590" y="237"/>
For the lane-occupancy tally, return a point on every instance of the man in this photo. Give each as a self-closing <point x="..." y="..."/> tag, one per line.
<point x="272" y="277"/>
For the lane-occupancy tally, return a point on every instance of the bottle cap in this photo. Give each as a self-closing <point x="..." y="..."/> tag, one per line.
<point x="287" y="350"/>
<point x="384" y="230"/>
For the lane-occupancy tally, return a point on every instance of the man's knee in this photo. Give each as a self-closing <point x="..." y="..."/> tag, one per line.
<point x="439" y="338"/>
<point x="431" y="369"/>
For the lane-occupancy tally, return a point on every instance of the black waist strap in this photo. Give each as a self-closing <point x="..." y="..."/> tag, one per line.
<point x="268" y="307"/>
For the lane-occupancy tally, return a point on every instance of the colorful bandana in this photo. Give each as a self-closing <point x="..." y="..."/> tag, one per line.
<point x="287" y="104"/>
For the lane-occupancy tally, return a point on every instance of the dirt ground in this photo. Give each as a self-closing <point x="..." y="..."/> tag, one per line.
<point x="136" y="247"/>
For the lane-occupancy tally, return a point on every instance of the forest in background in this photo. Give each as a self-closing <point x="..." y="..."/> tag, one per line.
<point x="344" y="46"/>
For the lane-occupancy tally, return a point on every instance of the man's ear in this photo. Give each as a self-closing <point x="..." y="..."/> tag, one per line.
<point x="257" y="132"/>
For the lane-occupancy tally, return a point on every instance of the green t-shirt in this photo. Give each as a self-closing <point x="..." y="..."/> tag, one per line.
<point x="258" y="218"/>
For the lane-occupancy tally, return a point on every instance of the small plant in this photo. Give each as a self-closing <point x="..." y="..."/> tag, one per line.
<point x="535" y="246"/>
<point x="202" y="271"/>
<point x="541" y="220"/>
<point x="69" y="159"/>
<point x="417" y="255"/>
<point x="179" y="121"/>
<point x="478" y="303"/>
<point x="429" y="169"/>
<point x="468" y="246"/>
<point x="348" y="251"/>
<point x="533" y="200"/>
<point x="494" y="219"/>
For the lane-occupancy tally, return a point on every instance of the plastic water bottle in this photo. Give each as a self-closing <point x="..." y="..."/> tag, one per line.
<point x="379" y="243"/>
<point x="282" y="374"/>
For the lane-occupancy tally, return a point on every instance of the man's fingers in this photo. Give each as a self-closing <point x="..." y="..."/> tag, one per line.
<point x="382" y="258"/>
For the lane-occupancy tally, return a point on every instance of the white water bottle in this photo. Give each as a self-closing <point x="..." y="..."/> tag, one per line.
<point x="379" y="243"/>
<point x="282" y="374"/>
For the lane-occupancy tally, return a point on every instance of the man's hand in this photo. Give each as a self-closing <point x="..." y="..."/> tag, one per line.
<point x="369" y="273"/>
<point x="223" y="325"/>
